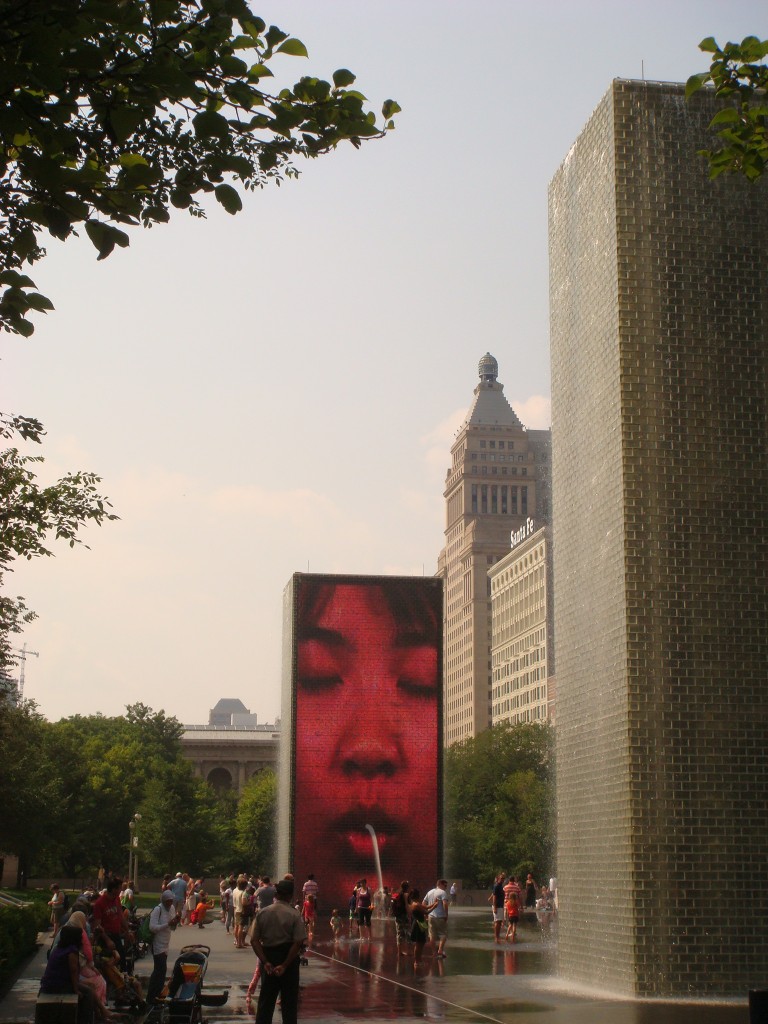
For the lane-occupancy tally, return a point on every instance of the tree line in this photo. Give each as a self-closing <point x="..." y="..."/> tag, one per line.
<point x="68" y="790"/>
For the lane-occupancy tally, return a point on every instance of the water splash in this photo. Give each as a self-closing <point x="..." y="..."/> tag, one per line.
<point x="375" y="842"/>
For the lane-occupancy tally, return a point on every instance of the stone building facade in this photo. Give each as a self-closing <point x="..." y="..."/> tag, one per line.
<point x="659" y="317"/>
<point x="522" y="649"/>
<point x="499" y="477"/>
<point x="232" y="747"/>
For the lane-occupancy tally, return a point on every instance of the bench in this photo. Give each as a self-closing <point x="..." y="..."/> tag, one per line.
<point x="56" y="1008"/>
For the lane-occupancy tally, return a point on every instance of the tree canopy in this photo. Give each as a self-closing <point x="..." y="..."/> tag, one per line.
<point x="68" y="790"/>
<point x="739" y="74"/>
<point x="500" y="803"/>
<point x="114" y="113"/>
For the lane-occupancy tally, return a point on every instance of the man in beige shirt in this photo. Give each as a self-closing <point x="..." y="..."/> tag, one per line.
<point x="277" y="937"/>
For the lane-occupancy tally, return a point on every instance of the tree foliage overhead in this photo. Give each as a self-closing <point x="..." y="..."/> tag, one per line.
<point x="500" y="803"/>
<point x="114" y="112"/>
<point x="739" y="74"/>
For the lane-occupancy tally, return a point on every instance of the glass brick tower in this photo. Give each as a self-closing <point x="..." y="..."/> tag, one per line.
<point x="659" y="317"/>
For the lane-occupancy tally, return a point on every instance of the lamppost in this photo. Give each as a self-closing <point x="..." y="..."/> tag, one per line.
<point x="137" y="818"/>
<point x="133" y="845"/>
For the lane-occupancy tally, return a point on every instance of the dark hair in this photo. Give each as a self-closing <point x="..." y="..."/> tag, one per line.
<point x="71" y="936"/>
<point x="411" y="606"/>
<point x="415" y="895"/>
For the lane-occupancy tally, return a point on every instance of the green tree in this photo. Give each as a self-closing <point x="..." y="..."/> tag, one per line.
<point x="115" y="113"/>
<point x="31" y="513"/>
<point x="31" y="787"/>
<point x="500" y="803"/>
<point x="739" y="75"/>
<point x="182" y="827"/>
<point x="256" y="823"/>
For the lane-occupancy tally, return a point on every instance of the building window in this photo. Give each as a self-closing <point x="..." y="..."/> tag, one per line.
<point x="492" y="444"/>
<point x="484" y="498"/>
<point x="501" y="444"/>
<point x="474" y="497"/>
<point x="503" y="501"/>
<point x="523" y="501"/>
<point x="524" y="471"/>
<point x="482" y="444"/>
<point x="473" y="456"/>
<point x="494" y="500"/>
<point x="485" y="471"/>
<point x="483" y="457"/>
<point x="513" y="497"/>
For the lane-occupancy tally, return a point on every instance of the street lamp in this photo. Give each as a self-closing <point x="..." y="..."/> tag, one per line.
<point x="137" y="818"/>
<point x="133" y="845"/>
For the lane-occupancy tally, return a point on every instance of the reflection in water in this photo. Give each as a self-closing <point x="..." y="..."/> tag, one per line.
<point x="478" y="983"/>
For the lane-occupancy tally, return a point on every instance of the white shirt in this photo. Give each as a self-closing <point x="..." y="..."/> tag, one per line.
<point x="160" y="925"/>
<point x="441" y="910"/>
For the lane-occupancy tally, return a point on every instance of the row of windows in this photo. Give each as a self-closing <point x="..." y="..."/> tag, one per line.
<point x="493" y="444"/>
<point x="495" y="471"/>
<point x="499" y="499"/>
<point x="495" y="458"/>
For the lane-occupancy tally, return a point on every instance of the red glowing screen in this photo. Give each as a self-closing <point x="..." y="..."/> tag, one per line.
<point x="367" y="719"/>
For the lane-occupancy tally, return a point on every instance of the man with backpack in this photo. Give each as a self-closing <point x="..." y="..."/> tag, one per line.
<point x="162" y="921"/>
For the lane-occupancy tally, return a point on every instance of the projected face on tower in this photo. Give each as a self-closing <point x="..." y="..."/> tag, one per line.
<point x="367" y="731"/>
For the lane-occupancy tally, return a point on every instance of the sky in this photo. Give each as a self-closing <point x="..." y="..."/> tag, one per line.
<point x="277" y="392"/>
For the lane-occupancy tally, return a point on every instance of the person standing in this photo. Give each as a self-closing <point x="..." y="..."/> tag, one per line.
<point x="109" y="922"/>
<point x="239" y="899"/>
<point x="437" y="920"/>
<point x="58" y="906"/>
<point x="363" y="900"/>
<point x="402" y="923"/>
<point x="179" y="889"/>
<point x="497" y="904"/>
<point x="277" y="937"/>
<point x="162" y="921"/>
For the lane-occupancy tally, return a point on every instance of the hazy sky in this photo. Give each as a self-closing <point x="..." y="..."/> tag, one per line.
<point x="278" y="391"/>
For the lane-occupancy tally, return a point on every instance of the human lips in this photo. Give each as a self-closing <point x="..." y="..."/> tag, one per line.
<point x="352" y="827"/>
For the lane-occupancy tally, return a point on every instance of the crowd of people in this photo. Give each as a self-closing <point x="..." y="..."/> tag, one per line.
<point x="94" y="938"/>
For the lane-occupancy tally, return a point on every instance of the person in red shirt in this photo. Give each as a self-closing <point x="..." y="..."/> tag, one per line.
<point x="109" y="922"/>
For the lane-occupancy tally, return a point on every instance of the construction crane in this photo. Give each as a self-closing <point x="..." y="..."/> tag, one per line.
<point x="22" y="662"/>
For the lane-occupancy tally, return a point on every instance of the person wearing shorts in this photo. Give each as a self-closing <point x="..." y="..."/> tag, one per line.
<point x="363" y="906"/>
<point x="437" y="899"/>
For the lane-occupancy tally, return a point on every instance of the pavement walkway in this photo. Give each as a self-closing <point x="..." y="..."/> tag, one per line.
<point x="478" y="982"/>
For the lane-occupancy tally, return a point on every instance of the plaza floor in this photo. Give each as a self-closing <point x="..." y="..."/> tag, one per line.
<point x="478" y="982"/>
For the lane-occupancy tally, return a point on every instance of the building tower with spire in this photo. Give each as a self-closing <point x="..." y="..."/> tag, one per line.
<point x="498" y="481"/>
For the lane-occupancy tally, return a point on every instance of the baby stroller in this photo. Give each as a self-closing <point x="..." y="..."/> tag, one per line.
<point x="186" y="998"/>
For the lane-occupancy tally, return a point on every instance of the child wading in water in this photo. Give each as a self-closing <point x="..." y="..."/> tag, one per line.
<point x="308" y="914"/>
<point x="335" y="924"/>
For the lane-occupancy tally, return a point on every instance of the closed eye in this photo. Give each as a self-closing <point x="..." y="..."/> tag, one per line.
<point x="317" y="683"/>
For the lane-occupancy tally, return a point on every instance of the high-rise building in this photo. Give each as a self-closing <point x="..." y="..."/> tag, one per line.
<point x="522" y="647"/>
<point x="499" y="478"/>
<point x="659" y="317"/>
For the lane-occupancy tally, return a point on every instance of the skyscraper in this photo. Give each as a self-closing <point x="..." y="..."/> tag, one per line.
<point x="659" y="309"/>
<point x="498" y="479"/>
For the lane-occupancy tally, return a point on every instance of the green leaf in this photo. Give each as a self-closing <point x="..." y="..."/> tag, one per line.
<point x="709" y="45"/>
<point x="694" y="83"/>
<point x="16" y="279"/>
<point x="293" y="47"/>
<point x="208" y="124"/>
<point x="39" y="302"/>
<point x="229" y="198"/>
<point x="342" y="78"/>
<point x="727" y="116"/>
<point x="258" y="71"/>
<point x="124" y="121"/>
<point x="390" y="108"/>
<point x="105" y="237"/>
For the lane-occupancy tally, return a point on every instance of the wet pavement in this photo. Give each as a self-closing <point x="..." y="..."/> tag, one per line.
<point x="350" y="980"/>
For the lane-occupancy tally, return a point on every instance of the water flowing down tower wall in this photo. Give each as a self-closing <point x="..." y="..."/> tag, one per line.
<point x="659" y="309"/>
